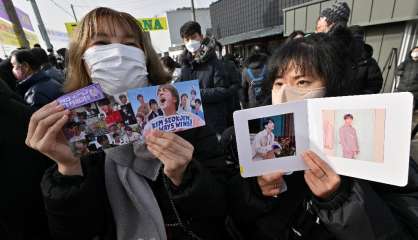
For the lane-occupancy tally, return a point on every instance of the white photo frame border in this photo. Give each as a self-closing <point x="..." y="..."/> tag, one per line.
<point x="398" y="114"/>
<point x="248" y="167"/>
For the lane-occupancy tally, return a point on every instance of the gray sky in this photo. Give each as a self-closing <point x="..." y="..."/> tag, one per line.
<point x="55" y="16"/>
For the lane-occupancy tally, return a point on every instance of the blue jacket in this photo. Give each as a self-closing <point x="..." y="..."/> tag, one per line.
<point x="39" y="89"/>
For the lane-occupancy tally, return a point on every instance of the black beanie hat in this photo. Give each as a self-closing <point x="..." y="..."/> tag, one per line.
<point x="338" y="12"/>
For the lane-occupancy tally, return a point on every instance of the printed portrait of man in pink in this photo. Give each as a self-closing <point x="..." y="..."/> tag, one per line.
<point x="348" y="138"/>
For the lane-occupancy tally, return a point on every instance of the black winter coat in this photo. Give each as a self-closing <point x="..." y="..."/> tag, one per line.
<point x="408" y="73"/>
<point x="233" y="76"/>
<point x="78" y="207"/>
<point x="39" y="89"/>
<point x="22" y="213"/>
<point x="358" y="210"/>
<point x="369" y="75"/>
<point x="213" y="86"/>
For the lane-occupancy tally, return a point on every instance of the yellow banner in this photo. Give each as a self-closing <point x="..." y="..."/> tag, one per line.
<point x="70" y="27"/>
<point x="147" y="24"/>
<point x="8" y="36"/>
<point x="153" y="24"/>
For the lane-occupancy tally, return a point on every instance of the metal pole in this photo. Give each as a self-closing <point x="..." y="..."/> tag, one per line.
<point x="17" y="27"/>
<point x="194" y="11"/>
<point x="72" y="8"/>
<point x="41" y="24"/>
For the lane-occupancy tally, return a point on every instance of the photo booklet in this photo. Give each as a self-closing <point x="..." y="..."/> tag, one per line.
<point x="98" y="122"/>
<point x="366" y="136"/>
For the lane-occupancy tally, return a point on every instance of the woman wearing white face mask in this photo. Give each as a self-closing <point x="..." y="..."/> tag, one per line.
<point x="317" y="203"/>
<point x="169" y="187"/>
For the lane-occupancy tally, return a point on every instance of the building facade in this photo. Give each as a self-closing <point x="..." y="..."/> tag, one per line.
<point x="241" y="24"/>
<point x="391" y="28"/>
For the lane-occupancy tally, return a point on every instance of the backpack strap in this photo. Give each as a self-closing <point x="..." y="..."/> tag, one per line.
<point x="251" y="75"/>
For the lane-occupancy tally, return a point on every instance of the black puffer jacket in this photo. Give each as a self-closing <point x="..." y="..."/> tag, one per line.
<point x="358" y="210"/>
<point x="78" y="206"/>
<point x="369" y="75"/>
<point x="214" y="85"/>
<point x="408" y="73"/>
<point x="22" y="213"/>
<point x="233" y="76"/>
<point x="39" y="89"/>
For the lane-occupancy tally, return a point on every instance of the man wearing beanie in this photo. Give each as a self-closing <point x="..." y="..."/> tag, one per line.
<point x="337" y="14"/>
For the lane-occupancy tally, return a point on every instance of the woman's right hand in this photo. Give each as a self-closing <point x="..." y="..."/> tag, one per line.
<point x="45" y="135"/>
<point x="271" y="184"/>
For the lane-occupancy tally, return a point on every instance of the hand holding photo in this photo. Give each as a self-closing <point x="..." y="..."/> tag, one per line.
<point x="365" y="136"/>
<point x="97" y="122"/>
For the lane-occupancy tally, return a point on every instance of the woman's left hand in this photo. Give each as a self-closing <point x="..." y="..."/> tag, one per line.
<point x="321" y="179"/>
<point x="173" y="151"/>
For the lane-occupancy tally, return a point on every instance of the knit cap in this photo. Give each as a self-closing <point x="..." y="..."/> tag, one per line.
<point x="338" y="12"/>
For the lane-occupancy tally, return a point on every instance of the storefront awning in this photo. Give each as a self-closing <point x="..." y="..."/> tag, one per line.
<point x="259" y="33"/>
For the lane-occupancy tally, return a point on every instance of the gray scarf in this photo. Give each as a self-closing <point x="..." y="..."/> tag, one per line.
<point x="135" y="209"/>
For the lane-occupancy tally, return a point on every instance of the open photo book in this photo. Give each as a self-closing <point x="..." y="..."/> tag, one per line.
<point x="98" y="122"/>
<point x="365" y="136"/>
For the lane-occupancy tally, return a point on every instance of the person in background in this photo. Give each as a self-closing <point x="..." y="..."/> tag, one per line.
<point x="170" y="187"/>
<point x="171" y="67"/>
<point x="365" y="70"/>
<point x="368" y="73"/>
<point x="408" y="75"/>
<point x="34" y="85"/>
<point x="46" y="66"/>
<point x="61" y="59"/>
<point x="6" y="74"/>
<point x="233" y="76"/>
<point x="253" y="79"/>
<point x="22" y="211"/>
<point x="318" y="203"/>
<point x="36" y="45"/>
<point x="295" y="35"/>
<point x="407" y="72"/>
<point x="199" y="61"/>
<point x="336" y="15"/>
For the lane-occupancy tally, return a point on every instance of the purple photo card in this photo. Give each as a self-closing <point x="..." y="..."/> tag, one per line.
<point x="89" y="94"/>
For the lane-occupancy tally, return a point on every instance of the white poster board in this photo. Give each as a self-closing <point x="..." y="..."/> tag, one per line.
<point x="365" y="136"/>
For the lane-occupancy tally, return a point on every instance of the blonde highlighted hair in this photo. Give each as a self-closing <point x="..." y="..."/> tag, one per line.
<point x="88" y="27"/>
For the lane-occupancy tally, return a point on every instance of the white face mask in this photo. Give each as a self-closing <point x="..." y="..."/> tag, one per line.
<point x="414" y="54"/>
<point x="116" y="67"/>
<point x="193" y="45"/>
<point x="286" y="93"/>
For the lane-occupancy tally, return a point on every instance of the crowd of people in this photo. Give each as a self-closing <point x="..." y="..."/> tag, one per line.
<point x="185" y="185"/>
